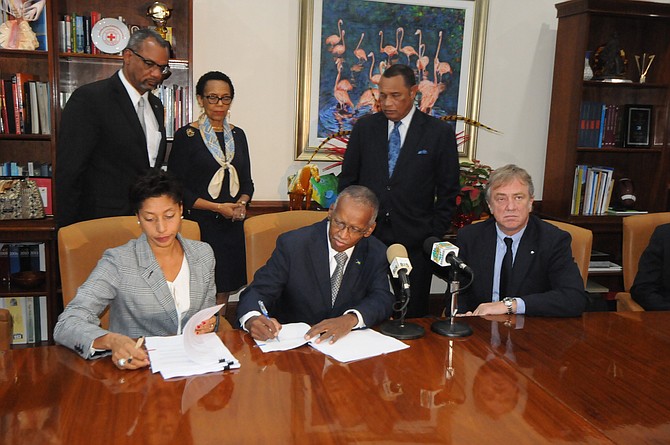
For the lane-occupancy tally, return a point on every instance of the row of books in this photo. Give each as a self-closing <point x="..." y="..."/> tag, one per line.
<point x="21" y="257"/>
<point x="30" y="168"/>
<point x="24" y="105"/>
<point x="75" y="33"/>
<point x="29" y="314"/>
<point x="600" y="125"/>
<point x="592" y="190"/>
<point x="29" y="318"/>
<point x="177" y="105"/>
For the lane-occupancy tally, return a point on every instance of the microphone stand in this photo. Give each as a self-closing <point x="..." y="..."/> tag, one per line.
<point x="450" y="327"/>
<point x="398" y="328"/>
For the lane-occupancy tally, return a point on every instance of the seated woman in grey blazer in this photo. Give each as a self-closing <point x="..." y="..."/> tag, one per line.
<point x="152" y="284"/>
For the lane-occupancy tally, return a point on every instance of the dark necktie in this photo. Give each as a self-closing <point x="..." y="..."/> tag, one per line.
<point x="394" y="147"/>
<point x="506" y="270"/>
<point x="336" y="279"/>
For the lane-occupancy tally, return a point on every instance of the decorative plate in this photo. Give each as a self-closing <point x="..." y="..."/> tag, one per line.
<point x="110" y="35"/>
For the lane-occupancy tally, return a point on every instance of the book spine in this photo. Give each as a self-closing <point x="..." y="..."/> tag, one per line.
<point x="80" y="34"/>
<point x="87" y="34"/>
<point x="68" y="33"/>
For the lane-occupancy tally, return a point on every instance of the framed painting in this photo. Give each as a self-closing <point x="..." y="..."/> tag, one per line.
<point x="345" y="46"/>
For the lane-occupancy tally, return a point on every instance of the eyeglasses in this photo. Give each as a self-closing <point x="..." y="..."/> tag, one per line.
<point x="150" y="64"/>
<point x="340" y="226"/>
<point x="213" y="99"/>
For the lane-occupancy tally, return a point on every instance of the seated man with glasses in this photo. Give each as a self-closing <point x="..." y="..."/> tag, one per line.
<point x="112" y="131"/>
<point x="331" y="275"/>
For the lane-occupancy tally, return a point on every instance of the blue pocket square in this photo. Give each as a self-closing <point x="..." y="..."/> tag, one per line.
<point x="422" y="152"/>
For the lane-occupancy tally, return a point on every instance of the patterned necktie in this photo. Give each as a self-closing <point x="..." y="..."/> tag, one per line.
<point x="394" y="147"/>
<point x="506" y="270"/>
<point x="140" y="115"/>
<point x="336" y="279"/>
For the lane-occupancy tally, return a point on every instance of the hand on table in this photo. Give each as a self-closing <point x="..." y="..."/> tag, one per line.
<point x="125" y="354"/>
<point x="332" y="328"/>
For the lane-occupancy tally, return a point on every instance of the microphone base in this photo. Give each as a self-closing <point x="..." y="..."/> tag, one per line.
<point x="401" y="330"/>
<point x="449" y="329"/>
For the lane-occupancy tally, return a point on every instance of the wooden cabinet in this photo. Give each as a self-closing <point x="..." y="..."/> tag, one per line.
<point x="584" y="25"/>
<point x="65" y="72"/>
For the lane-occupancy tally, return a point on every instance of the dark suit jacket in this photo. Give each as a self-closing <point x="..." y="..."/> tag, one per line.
<point x="545" y="275"/>
<point x="295" y="282"/>
<point x="651" y="288"/>
<point x="101" y="151"/>
<point x="418" y="200"/>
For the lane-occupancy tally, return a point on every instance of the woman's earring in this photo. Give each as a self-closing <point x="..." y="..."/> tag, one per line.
<point x="182" y="216"/>
<point x="138" y="222"/>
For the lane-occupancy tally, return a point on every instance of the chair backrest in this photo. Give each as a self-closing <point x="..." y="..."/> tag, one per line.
<point x="261" y="232"/>
<point x="637" y="230"/>
<point x="5" y="329"/>
<point x="582" y="241"/>
<point x="82" y="244"/>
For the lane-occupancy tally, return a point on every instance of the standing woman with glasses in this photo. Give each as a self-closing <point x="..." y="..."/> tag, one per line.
<point x="211" y="157"/>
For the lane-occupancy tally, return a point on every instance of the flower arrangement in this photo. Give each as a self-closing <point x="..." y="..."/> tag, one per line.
<point x="471" y="201"/>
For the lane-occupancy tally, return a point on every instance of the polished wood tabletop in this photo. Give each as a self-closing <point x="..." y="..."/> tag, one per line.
<point x="601" y="378"/>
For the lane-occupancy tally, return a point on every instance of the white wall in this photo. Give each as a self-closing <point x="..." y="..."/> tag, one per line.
<point x="255" y="43"/>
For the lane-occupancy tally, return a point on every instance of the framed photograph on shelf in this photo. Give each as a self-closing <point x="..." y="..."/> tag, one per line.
<point x="344" y="47"/>
<point x="637" y="130"/>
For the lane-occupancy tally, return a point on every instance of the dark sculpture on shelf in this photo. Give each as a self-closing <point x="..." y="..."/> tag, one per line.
<point x="609" y="61"/>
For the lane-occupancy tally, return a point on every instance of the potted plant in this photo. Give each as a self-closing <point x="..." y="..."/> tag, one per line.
<point x="471" y="201"/>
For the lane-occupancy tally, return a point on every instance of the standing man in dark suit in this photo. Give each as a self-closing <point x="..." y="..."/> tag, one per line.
<point x="308" y="279"/>
<point x="521" y="264"/>
<point x="103" y="146"/>
<point x="409" y="159"/>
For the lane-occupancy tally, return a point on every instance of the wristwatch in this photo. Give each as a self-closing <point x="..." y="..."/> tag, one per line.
<point x="509" y="301"/>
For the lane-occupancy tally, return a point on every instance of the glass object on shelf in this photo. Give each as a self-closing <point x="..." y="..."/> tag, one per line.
<point x="588" y="72"/>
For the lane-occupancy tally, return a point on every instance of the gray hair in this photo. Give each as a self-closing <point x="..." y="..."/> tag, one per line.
<point x="138" y="37"/>
<point x="362" y="195"/>
<point x="505" y="175"/>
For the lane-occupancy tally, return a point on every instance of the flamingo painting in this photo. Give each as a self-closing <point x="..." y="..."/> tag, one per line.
<point x="441" y="68"/>
<point x="389" y="50"/>
<point x="406" y="50"/>
<point x="335" y="38"/>
<point x="359" y="52"/>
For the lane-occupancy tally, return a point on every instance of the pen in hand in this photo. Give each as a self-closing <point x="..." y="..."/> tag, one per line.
<point x="138" y="345"/>
<point x="264" y="310"/>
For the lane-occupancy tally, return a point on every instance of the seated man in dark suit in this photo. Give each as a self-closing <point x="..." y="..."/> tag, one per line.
<point x="522" y="264"/>
<point x="307" y="280"/>
<point x="651" y="288"/>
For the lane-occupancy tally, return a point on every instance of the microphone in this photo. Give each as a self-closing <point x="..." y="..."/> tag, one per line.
<point x="400" y="265"/>
<point x="444" y="254"/>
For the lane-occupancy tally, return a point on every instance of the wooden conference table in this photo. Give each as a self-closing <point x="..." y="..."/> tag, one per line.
<point x="602" y="378"/>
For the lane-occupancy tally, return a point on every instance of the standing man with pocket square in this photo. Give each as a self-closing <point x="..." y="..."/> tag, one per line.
<point x="409" y="159"/>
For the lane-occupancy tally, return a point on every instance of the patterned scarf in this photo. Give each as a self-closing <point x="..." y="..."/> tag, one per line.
<point x="225" y="161"/>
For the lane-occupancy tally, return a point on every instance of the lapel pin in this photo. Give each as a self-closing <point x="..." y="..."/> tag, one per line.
<point x="358" y="262"/>
<point x="532" y="252"/>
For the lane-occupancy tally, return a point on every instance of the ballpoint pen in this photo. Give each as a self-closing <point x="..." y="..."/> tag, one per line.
<point x="137" y="346"/>
<point x="264" y="310"/>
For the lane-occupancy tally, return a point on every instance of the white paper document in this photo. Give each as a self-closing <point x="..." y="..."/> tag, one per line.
<point x="290" y="336"/>
<point x="360" y="344"/>
<point x="190" y="354"/>
<point x="356" y="345"/>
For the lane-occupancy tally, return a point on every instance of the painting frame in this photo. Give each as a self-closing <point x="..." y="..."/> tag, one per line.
<point x="306" y="141"/>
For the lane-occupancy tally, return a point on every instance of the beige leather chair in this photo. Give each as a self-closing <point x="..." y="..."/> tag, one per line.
<point x="82" y="244"/>
<point x="261" y="232"/>
<point x="582" y="241"/>
<point x="5" y="329"/>
<point x="637" y="230"/>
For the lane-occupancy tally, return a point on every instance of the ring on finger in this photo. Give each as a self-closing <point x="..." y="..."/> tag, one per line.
<point x="121" y="362"/>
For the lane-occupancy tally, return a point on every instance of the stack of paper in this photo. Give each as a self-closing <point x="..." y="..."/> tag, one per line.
<point x="356" y="345"/>
<point x="190" y="354"/>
